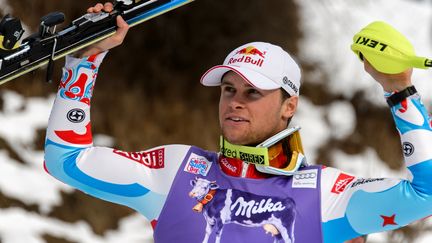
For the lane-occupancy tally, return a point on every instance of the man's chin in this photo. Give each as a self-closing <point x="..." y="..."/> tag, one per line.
<point x="234" y="139"/>
<point x="239" y="139"/>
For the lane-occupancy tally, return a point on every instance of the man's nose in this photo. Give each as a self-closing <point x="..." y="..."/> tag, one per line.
<point x="237" y="102"/>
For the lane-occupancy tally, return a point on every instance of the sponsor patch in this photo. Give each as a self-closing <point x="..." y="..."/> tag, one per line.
<point x="252" y="158"/>
<point x="228" y="167"/>
<point x="154" y="159"/>
<point x="250" y="55"/>
<point x="305" y="179"/>
<point x="292" y="86"/>
<point x="362" y="181"/>
<point x="408" y="149"/>
<point x="76" y="115"/>
<point x="374" y="44"/>
<point x="197" y="164"/>
<point x="341" y="182"/>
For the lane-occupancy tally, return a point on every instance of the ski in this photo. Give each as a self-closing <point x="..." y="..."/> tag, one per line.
<point x="47" y="45"/>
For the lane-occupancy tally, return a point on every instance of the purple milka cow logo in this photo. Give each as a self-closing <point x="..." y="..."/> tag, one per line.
<point x="225" y="206"/>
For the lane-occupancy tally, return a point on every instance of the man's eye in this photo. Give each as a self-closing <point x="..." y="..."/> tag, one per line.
<point x="253" y="92"/>
<point x="229" y="89"/>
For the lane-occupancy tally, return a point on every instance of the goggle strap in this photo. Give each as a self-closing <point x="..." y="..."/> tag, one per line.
<point x="293" y="162"/>
<point x="296" y="143"/>
<point x="254" y="155"/>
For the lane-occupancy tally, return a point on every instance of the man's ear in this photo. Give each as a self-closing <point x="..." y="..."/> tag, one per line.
<point x="289" y="106"/>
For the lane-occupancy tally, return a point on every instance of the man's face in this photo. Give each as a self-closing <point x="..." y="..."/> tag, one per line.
<point x="248" y="115"/>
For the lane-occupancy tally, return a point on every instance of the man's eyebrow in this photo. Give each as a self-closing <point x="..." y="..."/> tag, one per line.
<point x="225" y="82"/>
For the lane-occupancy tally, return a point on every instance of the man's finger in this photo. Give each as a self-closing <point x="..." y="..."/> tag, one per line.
<point x="121" y="23"/>
<point x="370" y="69"/>
<point x="98" y="7"/>
<point x="123" y="28"/>
<point x="108" y="7"/>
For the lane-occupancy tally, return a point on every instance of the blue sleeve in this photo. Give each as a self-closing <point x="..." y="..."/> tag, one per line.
<point x="382" y="204"/>
<point x="140" y="180"/>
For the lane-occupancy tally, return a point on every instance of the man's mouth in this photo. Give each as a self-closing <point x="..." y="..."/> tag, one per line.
<point x="236" y="119"/>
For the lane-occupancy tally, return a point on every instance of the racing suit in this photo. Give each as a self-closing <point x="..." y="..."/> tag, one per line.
<point x="193" y="195"/>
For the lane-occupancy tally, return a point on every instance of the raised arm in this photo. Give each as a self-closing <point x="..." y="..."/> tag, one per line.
<point x="355" y="206"/>
<point x="140" y="180"/>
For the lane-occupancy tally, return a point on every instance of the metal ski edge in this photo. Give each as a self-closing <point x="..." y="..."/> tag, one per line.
<point x="132" y="22"/>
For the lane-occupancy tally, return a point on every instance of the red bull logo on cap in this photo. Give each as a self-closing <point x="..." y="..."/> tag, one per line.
<point x="250" y="55"/>
<point x="251" y="50"/>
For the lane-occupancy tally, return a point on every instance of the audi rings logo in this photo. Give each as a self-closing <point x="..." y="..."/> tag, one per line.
<point x="309" y="175"/>
<point x="305" y="179"/>
<point x="76" y="115"/>
<point x="408" y="148"/>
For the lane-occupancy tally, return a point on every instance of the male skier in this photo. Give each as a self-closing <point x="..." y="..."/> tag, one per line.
<point x="258" y="187"/>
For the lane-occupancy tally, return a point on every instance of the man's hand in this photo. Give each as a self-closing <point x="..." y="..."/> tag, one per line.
<point x="110" y="42"/>
<point x="390" y="82"/>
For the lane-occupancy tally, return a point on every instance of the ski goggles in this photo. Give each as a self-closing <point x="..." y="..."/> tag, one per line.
<point x="281" y="154"/>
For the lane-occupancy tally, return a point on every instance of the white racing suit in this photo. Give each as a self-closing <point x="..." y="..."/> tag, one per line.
<point x="349" y="206"/>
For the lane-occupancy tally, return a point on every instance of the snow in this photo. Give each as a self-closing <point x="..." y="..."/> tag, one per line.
<point x="315" y="131"/>
<point x="341" y="118"/>
<point x="328" y="27"/>
<point x="19" y="120"/>
<point x="31" y="226"/>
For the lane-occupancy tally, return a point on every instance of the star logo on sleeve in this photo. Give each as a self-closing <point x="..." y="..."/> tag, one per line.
<point x="388" y="220"/>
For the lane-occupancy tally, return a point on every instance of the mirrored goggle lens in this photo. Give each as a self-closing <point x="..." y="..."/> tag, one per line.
<point x="285" y="153"/>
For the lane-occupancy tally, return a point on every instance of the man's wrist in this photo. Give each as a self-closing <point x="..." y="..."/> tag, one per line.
<point x="86" y="52"/>
<point x="401" y="95"/>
